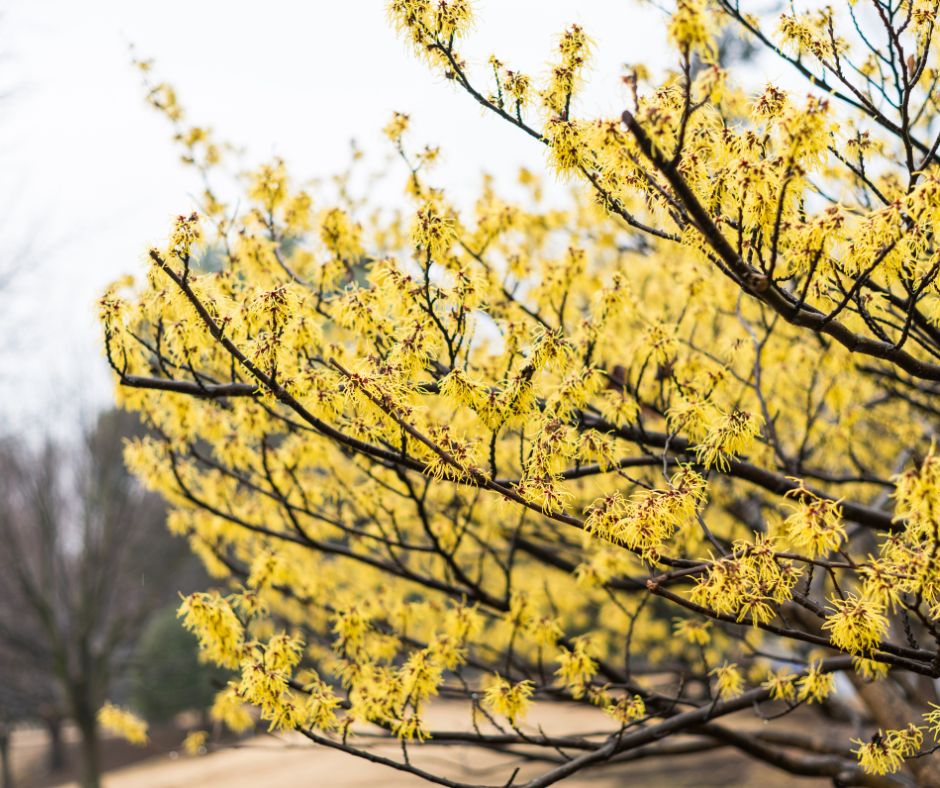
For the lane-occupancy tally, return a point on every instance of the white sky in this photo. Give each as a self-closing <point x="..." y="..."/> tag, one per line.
<point x="91" y="178"/>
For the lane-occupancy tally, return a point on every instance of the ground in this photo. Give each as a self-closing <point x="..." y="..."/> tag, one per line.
<point x="273" y="761"/>
<point x="267" y="762"/>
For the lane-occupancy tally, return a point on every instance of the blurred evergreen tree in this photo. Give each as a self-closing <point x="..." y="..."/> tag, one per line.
<point x="166" y="676"/>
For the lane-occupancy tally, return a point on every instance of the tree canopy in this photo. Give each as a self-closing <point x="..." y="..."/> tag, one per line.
<point x="665" y="448"/>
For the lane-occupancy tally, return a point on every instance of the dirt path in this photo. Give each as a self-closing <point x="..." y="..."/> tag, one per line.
<point x="265" y="762"/>
<point x="293" y="762"/>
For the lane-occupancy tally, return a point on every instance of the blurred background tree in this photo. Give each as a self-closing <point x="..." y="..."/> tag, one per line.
<point x="88" y="560"/>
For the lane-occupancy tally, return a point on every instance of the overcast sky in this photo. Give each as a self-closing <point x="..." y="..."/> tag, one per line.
<point x="91" y="178"/>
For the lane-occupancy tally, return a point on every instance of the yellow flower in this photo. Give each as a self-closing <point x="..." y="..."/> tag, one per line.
<point x="508" y="699"/>
<point x="577" y="668"/>
<point x="123" y="723"/>
<point x="728" y="680"/>
<point x="856" y="626"/>
<point x="396" y="127"/>
<point x="691" y="27"/>
<point x="627" y="709"/>
<point x="781" y="685"/>
<point x="815" y="685"/>
<point x="432" y="231"/>
<point x="733" y="434"/>
<point x="269" y="185"/>
<point x="212" y="620"/>
<point x="886" y="751"/>
<point x="816" y="524"/>
<point x="691" y="631"/>
<point x="229" y="709"/>
<point x="195" y="742"/>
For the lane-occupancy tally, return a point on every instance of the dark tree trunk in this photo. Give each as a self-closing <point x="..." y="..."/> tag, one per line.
<point x="6" y="770"/>
<point x="56" y="746"/>
<point x="87" y="725"/>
